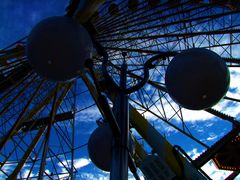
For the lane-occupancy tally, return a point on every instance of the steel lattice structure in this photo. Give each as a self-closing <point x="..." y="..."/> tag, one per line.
<point x="39" y="118"/>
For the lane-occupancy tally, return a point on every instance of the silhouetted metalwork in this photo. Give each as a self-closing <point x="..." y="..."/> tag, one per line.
<point x="39" y="118"/>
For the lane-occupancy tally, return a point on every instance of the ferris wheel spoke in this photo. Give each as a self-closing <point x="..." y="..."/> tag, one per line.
<point x="206" y="32"/>
<point x="47" y="135"/>
<point x="152" y="104"/>
<point x="53" y="155"/>
<point x="13" y="65"/>
<point x="14" y="78"/>
<point x="18" y="121"/>
<point x="140" y="51"/>
<point x="53" y="165"/>
<point x="219" y="44"/>
<point x="64" y="137"/>
<point x="15" y="86"/>
<point x="30" y="115"/>
<point x="17" y="96"/>
<point x="179" y="21"/>
<point x="63" y="158"/>
<point x="148" y="21"/>
<point x="16" y="144"/>
<point x="192" y="34"/>
<point x="172" y="125"/>
<point x="27" y="154"/>
<point x="142" y="17"/>
<point x="37" y="108"/>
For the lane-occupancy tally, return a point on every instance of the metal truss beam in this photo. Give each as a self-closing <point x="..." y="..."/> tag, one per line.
<point x="38" y="123"/>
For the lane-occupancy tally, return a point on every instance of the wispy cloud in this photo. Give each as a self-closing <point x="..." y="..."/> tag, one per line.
<point x="7" y="168"/>
<point x="26" y="172"/>
<point x="78" y="163"/>
<point x="194" y="153"/>
<point x="90" y="114"/>
<point x="212" y="137"/>
<point x="95" y="176"/>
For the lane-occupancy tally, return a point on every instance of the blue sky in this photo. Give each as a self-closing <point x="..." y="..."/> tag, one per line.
<point x="18" y="18"/>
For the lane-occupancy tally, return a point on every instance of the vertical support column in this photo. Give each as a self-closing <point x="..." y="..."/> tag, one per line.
<point x="119" y="168"/>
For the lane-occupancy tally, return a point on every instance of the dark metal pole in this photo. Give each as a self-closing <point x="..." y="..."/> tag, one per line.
<point x="119" y="168"/>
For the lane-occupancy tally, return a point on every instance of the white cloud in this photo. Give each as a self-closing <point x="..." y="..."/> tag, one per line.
<point x="194" y="153"/>
<point x="48" y="171"/>
<point x="230" y="107"/>
<point x="79" y="163"/>
<point x="234" y="82"/>
<point x="214" y="173"/>
<point x="90" y="176"/>
<point x="192" y="116"/>
<point x="104" y="176"/>
<point x="26" y="172"/>
<point x="212" y="137"/>
<point x="169" y="110"/>
<point x="209" y="124"/>
<point x="90" y="114"/>
<point x="7" y="168"/>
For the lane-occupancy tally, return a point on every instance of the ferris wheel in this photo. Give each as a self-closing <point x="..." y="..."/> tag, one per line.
<point x="169" y="68"/>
